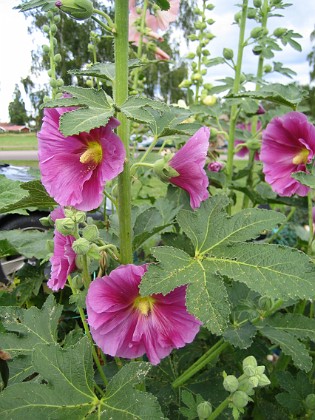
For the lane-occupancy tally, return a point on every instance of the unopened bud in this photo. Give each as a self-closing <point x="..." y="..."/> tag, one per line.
<point x="228" y="53"/>
<point x="279" y="32"/>
<point x="251" y="13"/>
<point x="263" y="380"/>
<point x="163" y="170"/>
<point x="94" y="252"/>
<point x="81" y="246"/>
<point x="250" y="361"/>
<point x="57" y="58"/>
<point x="209" y="100"/>
<point x="65" y="226"/>
<point x="240" y="399"/>
<point x="257" y="3"/>
<point x="230" y="383"/>
<point x="77" y="9"/>
<point x="204" y="410"/>
<point x="185" y="84"/>
<point x="46" y="48"/>
<point x="196" y="77"/>
<point x="90" y="233"/>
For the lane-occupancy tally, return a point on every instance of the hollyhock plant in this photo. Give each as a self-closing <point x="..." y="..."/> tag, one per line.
<point x="288" y="144"/>
<point x="74" y="169"/>
<point x="243" y="151"/>
<point x="128" y="325"/>
<point x="63" y="259"/>
<point x="189" y="163"/>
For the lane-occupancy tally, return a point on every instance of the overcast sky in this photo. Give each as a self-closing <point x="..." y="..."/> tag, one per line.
<point x="16" y="44"/>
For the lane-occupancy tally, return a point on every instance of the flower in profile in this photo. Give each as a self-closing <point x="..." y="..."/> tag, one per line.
<point x="74" y="169"/>
<point x="125" y="324"/>
<point x="243" y="151"/>
<point x="63" y="259"/>
<point x="189" y="163"/>
<point x="288" y="144"/>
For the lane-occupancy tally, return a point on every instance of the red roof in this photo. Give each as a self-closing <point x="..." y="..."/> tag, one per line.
<point x="13" y="127"/>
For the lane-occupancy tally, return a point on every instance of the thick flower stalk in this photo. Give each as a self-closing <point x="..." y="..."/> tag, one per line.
<point x="63" y="259"/>
<point x="288" y="144"/>
<point x="74" y="169"/>
<point x="128" y="325"/>
<point x="189" y="162"/>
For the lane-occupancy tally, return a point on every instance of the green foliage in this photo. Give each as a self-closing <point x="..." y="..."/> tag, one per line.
<point x="17" y="110"/>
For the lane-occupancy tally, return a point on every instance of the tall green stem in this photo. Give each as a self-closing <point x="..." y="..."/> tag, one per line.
<point x="120" y="95"/>
<point x="310" y="222"/>
<point x="236" y="87"/>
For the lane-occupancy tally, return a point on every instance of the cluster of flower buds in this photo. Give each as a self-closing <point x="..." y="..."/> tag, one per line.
<point x="55" y="59"/>
<point x="242" y="388"/>
<point x="200" y="58"/>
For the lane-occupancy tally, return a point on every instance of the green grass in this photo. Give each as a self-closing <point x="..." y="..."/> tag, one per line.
<point x="21" y="141"/>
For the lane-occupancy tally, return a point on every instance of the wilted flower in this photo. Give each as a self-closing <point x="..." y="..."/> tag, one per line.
<point x="125" y="324"/>
<point x="74" y="169"/>
<point x="189" y="162"/>
<point x="288" y="144"/>
<point x="63" y="259"/>
<point x="243" y="151"/>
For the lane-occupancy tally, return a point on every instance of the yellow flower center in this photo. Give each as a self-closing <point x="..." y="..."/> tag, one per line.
<point x="93" y="153"/>
<point x="301" y="157"/>
<point x="144" y="304"/>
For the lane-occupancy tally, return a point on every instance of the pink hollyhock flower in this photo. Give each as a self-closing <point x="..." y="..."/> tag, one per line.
<point x="63" y="259"/>
<point x="162" y="18"/>
<point x="125" y="324"/>
<point x="215" y="166"/>
<point x="288" y="144"/>
<point x="74" y="169"/>
<point x="243" y="151"/>
<point x="189" y="162"/>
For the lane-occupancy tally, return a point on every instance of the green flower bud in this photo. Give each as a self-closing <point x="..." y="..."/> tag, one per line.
<point x="193" y="37"/>
<point x="310" y="402"/>
<point x="279" y="32"/>
<point x="77" y="9"/>
<point x="57" y="58"/>
<point x="81" y="246"/>
<point x="257" y="32"/>
<point x="46" y="221"/>
<point x="91" y="233"/>
<point x="263" y="380"/>
<point x="267" y="68"/>
<point x="49" y="72"/>
<point x="210" y="6"/>
<point x="46" y="48"/>
<point x="204" y="410"/>
<point x="79" y="216"/>
<point x="77" y="282"/>
<point x="200" y="25"/>
<point x="230" y="383"/>
<point x="237" y="17"/>
<point x="50" y="14"/>
<point x="209" y="100"/>
<point x="257" y="3"/>
<point x="197" y="11"/>
<point x="89" y="83"/>
<point x="240" y="399"/>
<point x="94" y="252"/>
<point x="65" y="226"/>
<point x="57" y="18"/>
<point x="60" y="83"/>
<point x="251" y="13"/>
<point x="249" y="371"/>
<point x="185" y="84"/>
<point x="213" y="132"/>
<point x="208" y="86"/>
<point x="243" y="78"/>
<point x="53" y="28"/>
<point x="191" y="56"/>
<point x="46" y="29"/>
<point x="250" y="361"/>
<point x="205" y="52"/>
<point x="260" y="370"/>
<point x="253" y="381"/>
<point x="228" y="53"/>
<point x="196" y="77"/>
<point x="209" y="35"/>
<point x="246" y="386"/>
<point x="210" y="21"/>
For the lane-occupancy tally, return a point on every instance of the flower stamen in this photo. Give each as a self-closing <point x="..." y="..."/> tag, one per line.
<point x="301" y="157"/>
<point x="93" y="153"/>
<point x="144" y="304"/>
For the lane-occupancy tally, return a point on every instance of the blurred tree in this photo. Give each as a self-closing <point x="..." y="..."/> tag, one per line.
<point x="17" y="110"/>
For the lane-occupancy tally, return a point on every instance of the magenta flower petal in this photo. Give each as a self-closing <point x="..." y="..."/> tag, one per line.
<point x="189" y="162"/>
<point x="125" y="324"/>
<point x="75" y="169"/>
<point x="288" y="144"/>
<point x="63" y="259"/>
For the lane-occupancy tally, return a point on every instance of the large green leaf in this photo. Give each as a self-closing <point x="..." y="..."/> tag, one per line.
<point x="33" y="4"/>
<point x="10" y="192"/>
<point x="27" y="328"/>
<point x="289" y="95"/>
<point x="36" y="196"/>
<point x="210" y="228"/>
<point x="95" y="109"/>
<point x="30" y="243"/>
<point x="122" y="401"/>
<point x="137" y="108"/>
<point x="290" y="346"/>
